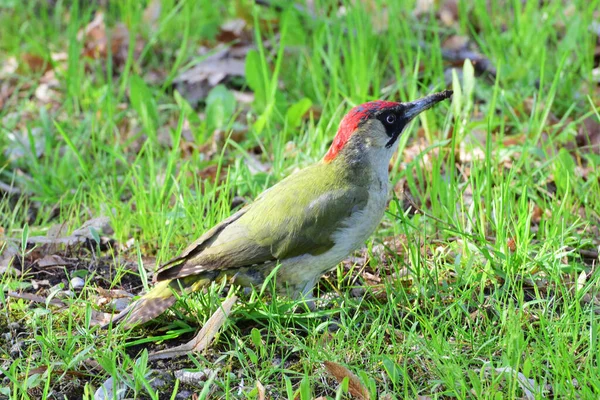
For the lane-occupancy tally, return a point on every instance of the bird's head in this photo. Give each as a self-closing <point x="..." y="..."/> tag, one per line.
<point x="371" y="130"/>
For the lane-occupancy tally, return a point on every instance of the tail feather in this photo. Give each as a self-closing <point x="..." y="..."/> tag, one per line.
<point x="159" y="299"/>
<point x="147" y="307"/>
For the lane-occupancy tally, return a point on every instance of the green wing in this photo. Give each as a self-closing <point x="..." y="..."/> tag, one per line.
<point x="289" y="219"/>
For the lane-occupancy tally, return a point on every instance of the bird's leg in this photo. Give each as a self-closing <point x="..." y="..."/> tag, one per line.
<point x="308" y="301"/>
<point x="307" y="295"/>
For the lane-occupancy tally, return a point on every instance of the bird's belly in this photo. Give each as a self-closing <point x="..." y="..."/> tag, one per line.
<point x="301" y="273"/>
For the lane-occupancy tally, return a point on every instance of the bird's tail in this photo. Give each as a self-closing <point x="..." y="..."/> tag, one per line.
<point x="157" y="300"/>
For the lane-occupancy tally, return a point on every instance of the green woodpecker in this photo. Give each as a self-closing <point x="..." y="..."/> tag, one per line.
<point x="306" y="224"/>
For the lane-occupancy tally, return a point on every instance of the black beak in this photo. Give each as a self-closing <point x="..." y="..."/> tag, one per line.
<point x="413" y="108"/>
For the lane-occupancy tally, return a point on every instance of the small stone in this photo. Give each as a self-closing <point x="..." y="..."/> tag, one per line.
<point x="161" y="379"/>
<point x="192" y="378"/>
<point x="120" y="304"/>
<point x="15" y="350"/>
<point x="9" y="270"/>
<point x="333" y="327"/>
<point x="184" y="395"/>
<point x="77" y="283"/>
<point x="14" y="326"/>
<point x="63" y="294"/>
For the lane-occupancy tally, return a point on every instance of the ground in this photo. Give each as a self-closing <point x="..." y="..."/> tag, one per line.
<point x="130" y="128"/>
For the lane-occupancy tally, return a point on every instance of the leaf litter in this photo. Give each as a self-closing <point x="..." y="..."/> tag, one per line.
<point x="223" y="65"/>
<point x="62" y="259"/>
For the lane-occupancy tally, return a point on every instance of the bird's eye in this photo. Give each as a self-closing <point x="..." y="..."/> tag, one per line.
<point x="390" y="119"/>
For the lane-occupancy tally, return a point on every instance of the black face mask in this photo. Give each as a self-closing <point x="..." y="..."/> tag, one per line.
<point x="393" y="123"/>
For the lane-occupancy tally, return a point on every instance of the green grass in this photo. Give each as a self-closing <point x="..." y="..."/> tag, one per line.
<point x="483" y="279"/>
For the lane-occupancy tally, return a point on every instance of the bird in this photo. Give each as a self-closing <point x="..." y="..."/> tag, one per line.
<point x="304" y="225"/>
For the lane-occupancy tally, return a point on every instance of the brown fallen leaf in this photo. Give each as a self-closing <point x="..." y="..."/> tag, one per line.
<point x="355" y="386"/>
<point x="34" y="63"/>
<point x="195" y="83"/>
<point x="60" y="372"/>
<point x="588" y="135"/>
<point x="36" y="299"/>
<point x="99" y="224"/>
<point x="203" y="339"/>
<point x="111" y="389"/>
<point x="100" y="318"/>
<point x="51" y="261"/>
<point x="88" y="231"/>
<point x="44" y="251"/>
<point x="511" y="244"/>
<point x="113" y="293"/>
<point x="531" y="105"/>
<point x="193" y="378"/>
<point x="234" y="30"/>
<point x="448" y="12"/>
<point x="261" y="391"/>
<point x="8" y="251"/>
<point x="152" y="13"/>
<point x="116" y="299"/>
<point x="20" y="143"/>
<point x="457" y="49"/>
<point x="36" y="284"/>
<point x="423" y="7"/>
<point x="9" y="67"/>
<point x="528" y="386"/>
<point x="97" y="40"/>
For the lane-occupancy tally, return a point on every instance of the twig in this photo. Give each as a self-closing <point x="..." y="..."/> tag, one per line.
<point x="36" y="299"/>
<point x="9" y="189"/>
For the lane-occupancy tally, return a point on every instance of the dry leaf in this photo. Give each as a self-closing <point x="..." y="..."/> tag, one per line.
<point x="423" y="7"/>
<point x="448" y="13"/>
<point x="457" y="56"/>
<point x="528" y="386"/>
<point x="261" y="391"/>
<point x="8" y="252"/>
<point x="152" y="13"/>
<point x="581" y="280"/>
<point x="588" y="135"/>
<point x="243" y="97"/>
<point x="195" y="83"/>
<point x="111" y="390"/>
<point x="51" y="261"/>
<point x="97" y="40"/>
<point x="36" y="299"/>
<point x="20" y="145"/>
<point x="99" y="224"/>
<point x="456" y="42"/>
<point x="87" y="231"/>
<point x="511" y="244"/>
<point x="35" y="63"/>
<point x="9" y="67"/>
<point x="355" y="387"/>
<point x="193" y="378"/>
<point x="234" y="30"/>
<point x="116" y="299"/>
<point x="100" y="318"/>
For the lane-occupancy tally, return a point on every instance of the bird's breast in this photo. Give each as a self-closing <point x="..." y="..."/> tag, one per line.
<point x="354" y="231"/>
<point x="361" y="224"/>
